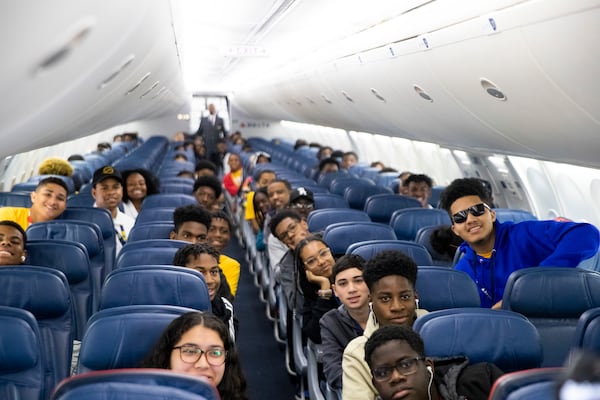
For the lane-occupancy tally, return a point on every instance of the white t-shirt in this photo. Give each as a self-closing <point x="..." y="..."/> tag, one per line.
<point x="123" y="224"/>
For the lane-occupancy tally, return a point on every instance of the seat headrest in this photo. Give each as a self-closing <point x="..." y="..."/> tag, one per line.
<point x="42" y="291"/>
<point x="542" y="292"/>
<point x="504" y="338"/>
<point x="19" y="340"/>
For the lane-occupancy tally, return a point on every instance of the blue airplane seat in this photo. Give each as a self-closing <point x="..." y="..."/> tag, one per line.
<point x="84" y="169"/>
<point x="502" y="337"/>
<point x="21" y="359"/>
<point x="329" y="200"/>
<point x="327" y="179"/>
<point x="155" y="284"/>
<point x="318" y="220"/>
<point x="71" y="259"/>
<point x="150" y="230"/>
<point x="174" y="188"/>
<point x="553" y="299"/>
<point x="168" y="200"/>
<point x="436" y="192"/>
<point x="44" y="292"/>
<point x="441" y="288"/>
<point x="380" y="207"/>
<point x="15" y="199"/>
<point x="157" y="243"/>
<point x="424" y="238"/>
<point x="121" y="337"/>
<point x="368" y="249"/>
<point x="341" y="235"/>
<point x="155" y="214"/>
<point x="357" y="195"/>
<point x="86" y="233"/>
<point x="530" y="384"/>
<point x="370" y="173"/>
<point x="149" y="255"/>
<point x="387" y="179"/>
<point x="341" y="183"/>
<point x="24" y="187"/>
<point x="407" y="221"/>
<point x="80" y="200"/>
<point x="127" y="384"/>
<point x="513" y="215"/>
<point x="35" y="180"/>
<point x="176" y="179"/>
<point x="587" y="331"/>
<point x="102" y="218"/>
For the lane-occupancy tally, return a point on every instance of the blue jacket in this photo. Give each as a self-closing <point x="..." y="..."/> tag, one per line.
<point x="527" y="244"/>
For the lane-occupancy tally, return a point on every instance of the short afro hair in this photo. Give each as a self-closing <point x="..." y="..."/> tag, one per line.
<point x="390" y="262"/>
<point x="461" y="188"/>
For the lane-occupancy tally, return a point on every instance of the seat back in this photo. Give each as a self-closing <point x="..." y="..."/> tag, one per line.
<point x="357" y="195"/>
<point x="44" y="292"/>
<point x="168" y="200"/>
<point x="15" y="199"/>
<point x="553" y="299"/>
<point x="152" y="255"/>
<point x="151" y="230"/>
<point x="380" y="207"/>
<point x="424" y="238"/>
<point x="21" y="358"/>
<point x="121" y="337"/>
<point x="86" y="233"/>
<point x="535" y="382"/>
<point x="504" y="338"/>
<point x="340" y="184"/>
<point x="370" y="248"/>
<point x="71" y="259"/>
<point x="325" y="180"/>
<point x="318" y="220"/>
<point x="81" y="199"/>
<point x="129" y="384"/>
<point x="441" y="288"/>
<point x="341" y="235"/>
<point x="407" y="222"/>
<point x="329" y="200"/>
<point x="155" y="284"/>
<point x="587" y="331"/>
<point x="513" y="215"/>
<point x="155" y="214"/>
<point x="102" y="218"/>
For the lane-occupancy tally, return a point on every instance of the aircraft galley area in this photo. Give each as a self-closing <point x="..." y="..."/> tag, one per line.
<point x="291" y="199"/>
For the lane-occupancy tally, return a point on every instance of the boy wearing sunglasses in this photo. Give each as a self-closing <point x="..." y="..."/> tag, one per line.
<point x="494" y="249"/>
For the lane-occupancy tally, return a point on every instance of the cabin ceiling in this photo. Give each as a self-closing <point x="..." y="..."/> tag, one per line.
<point x="356" y="65"/>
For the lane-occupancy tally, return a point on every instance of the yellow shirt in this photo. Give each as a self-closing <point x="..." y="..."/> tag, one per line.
<point x="20" y="215"/>
<point x="231" y="270"/>
<point x="250" y="214"/>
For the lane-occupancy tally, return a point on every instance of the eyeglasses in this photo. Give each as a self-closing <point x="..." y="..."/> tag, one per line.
<point x="407" y="366"/>
<point x="190" y="354"/>
<point x="300" y="206"/>
<point x="312" y="261"/>
<point x="477" y="210"/>
<point x="291" y="229"/>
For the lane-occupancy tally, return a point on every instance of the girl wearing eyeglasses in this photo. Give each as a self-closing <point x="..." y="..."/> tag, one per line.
<point x="199" y="344"/>
<point x="314" y="264"/>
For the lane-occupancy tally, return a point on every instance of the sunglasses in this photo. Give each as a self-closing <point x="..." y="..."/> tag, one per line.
<point x="477" y="210"/>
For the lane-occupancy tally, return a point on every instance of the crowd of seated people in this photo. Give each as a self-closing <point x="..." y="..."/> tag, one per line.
<point x="360" y="312"/>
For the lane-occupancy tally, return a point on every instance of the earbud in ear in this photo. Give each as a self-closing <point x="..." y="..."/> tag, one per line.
<point x="22" y="258"/>
<point x="417" y="303"/>
<point x="430" y="370"/>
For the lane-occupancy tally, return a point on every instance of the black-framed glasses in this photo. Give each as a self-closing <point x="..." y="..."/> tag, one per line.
<point x="407" y="366"/>
<point x="190" y="354"/>
<point x="477" y="210"/>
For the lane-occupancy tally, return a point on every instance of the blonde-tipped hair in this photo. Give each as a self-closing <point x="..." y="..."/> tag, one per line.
<point x="55" y="166"/>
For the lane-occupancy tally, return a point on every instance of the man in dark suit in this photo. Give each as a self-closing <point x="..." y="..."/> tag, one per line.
<point x="211" y="129"/>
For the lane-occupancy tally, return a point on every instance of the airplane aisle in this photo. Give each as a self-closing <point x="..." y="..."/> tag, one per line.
<point x="263" y="361"/>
